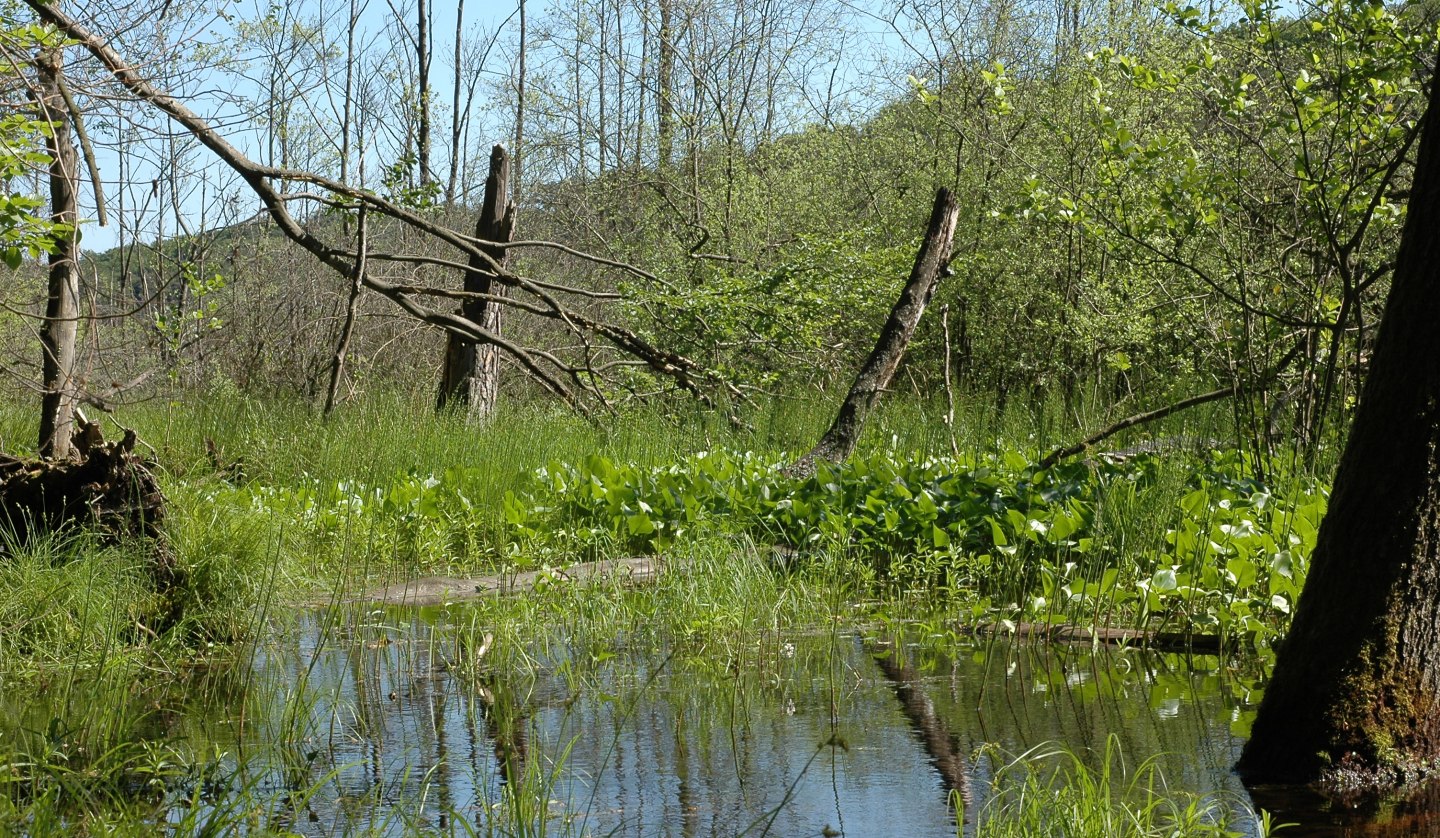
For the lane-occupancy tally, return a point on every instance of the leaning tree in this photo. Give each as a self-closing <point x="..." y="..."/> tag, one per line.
<point x="1355" y="695"/>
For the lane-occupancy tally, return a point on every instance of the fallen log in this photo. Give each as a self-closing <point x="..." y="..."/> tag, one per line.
<point x="107" y="489"/>
<point x="1159" y="641"/>
<point x="441" y="590"/>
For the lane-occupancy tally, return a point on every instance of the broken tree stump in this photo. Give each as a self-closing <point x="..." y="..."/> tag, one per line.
<point x="106" y="489"/>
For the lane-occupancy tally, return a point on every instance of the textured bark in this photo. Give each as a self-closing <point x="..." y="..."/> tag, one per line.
<point x="1355" y="696"/>
<point x="879" y="368"/>
<point x="62" y="308"/>
<point x="471" y="375"/>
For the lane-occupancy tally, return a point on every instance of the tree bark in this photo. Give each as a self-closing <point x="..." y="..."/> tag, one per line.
<point x="352" y="306"/>
<point x="1354" y="701"/>
<point x="879" y="368"/>
<point x="472" y="370"/>
<point x="665" y="87"/>
<point x="422" y="69"/>
<point x="62" y="308"/>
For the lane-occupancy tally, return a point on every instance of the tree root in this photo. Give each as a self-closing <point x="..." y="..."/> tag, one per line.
<point x="108" y="490"/>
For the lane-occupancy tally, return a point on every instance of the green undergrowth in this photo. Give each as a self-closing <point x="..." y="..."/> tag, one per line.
<point x="67" y="603"/>
<point x="1185" y="542"/>
<point x="271" y="505"/>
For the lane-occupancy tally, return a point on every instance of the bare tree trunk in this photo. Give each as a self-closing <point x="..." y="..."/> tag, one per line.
<point x="665" y="85"/>
<point x="456" y="123"/>
<point x="357" y="284"/>
<point x="62" y="308"/>
<point x="422" y="41"/>
<point x="518" y="148"/>
<point x="349" y="104"/>
<point x="878" y="370"/>
<point x="601" y="133"/>
<point x="472" y="371"/>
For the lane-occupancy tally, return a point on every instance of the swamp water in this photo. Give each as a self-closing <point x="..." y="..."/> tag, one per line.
<point x="391" y="727"/>
<point x="382" y="722"/>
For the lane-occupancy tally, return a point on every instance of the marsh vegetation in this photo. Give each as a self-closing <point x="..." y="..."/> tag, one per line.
<point x="1027" y="574"/>
<point x="766" y="682"/>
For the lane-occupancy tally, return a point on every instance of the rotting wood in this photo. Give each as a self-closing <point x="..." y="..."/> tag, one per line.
<point x="1159" y="641"/>
<point x="931" y="263"/>
<point x="471" y="373"/>
<point x="439" y="590"/>
<point x="108" y="489"/>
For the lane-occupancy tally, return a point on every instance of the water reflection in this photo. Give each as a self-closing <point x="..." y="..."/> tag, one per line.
<point x="393" y="728"/>
<point x="1311" y="814"/>
<point x="395" y="722"/>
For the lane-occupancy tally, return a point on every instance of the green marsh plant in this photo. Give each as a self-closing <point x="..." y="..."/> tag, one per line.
<point x="1049" y="792"/>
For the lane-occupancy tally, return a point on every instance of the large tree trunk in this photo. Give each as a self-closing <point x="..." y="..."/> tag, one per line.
<point x="62" y="308"/>
<point x="879" y="368"/>
<point x="1355" y="695"/>
<point x="472" y="371"/>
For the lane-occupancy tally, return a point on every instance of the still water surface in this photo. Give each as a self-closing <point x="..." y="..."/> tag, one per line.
<point x="816" y="734"/>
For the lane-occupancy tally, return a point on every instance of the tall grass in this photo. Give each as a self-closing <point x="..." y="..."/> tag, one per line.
<point x="1053" y="793"/>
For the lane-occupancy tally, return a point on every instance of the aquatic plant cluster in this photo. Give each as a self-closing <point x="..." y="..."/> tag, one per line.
<point x="1057" y="544"/>
<point x="1191" y="543"/>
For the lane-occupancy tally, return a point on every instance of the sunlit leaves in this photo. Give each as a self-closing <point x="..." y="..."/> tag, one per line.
<point x="992" y="525"/>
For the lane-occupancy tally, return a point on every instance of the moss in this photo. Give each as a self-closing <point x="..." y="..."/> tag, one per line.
<point x="1384" y="731"/>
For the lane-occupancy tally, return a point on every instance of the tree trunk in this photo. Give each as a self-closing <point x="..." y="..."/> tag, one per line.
<point x="472" y="371"/>
<point x="1355" y="696"/>
<point x="878" y="370"/>
<point x="457" y="123"/>
<point x="422" y="39"/>
<point x="62" y="308"/>
<point x="348" y="104"/>
<point x="665" y="86"/>
<point x="519" y="146"/>
<point x="352" y="306"/>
